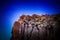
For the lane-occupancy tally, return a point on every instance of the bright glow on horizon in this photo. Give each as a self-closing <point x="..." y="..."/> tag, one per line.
<point x="12" y="10"/>
<point x="15" y="15"/>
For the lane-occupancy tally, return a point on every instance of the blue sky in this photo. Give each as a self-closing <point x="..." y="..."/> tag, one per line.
<point x="12" y="10"/>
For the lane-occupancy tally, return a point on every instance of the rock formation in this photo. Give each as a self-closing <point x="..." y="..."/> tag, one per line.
<point x="36" y="27"/>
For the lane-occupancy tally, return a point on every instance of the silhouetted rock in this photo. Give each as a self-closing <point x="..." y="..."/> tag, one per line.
<point x="35" y="27"/>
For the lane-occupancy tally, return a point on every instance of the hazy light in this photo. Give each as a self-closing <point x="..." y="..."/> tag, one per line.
<point x="15" y="16"/>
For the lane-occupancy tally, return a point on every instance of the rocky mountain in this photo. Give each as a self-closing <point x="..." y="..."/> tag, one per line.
<point x="36" y="27"/>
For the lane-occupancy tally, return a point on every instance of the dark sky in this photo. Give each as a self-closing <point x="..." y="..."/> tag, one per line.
<point x="12" y="10"/>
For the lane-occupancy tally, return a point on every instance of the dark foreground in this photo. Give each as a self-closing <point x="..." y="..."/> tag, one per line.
<point x="35" y="27"/>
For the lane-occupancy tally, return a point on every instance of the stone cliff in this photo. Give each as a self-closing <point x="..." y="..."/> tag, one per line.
<point x="36" y="27"/>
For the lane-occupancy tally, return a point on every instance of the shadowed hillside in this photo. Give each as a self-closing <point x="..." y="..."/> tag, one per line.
<point x="36" y="27"/>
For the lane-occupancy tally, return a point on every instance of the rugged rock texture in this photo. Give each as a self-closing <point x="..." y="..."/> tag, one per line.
<point x="35" y="27"/>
